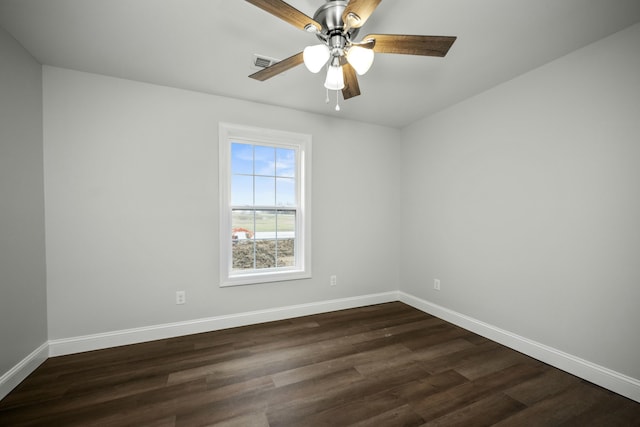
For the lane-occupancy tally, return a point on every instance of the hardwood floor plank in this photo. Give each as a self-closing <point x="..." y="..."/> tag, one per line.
<point x="259" y="363"/>
<point x="459" y="358"/>
<point x="222" y="411"/>
<point x="438" y="334"/>
<point x="436" y="406"/>
<point x="239" y="388"/>
<point x="292" y="403"/>
<point x="386" y="364"/>
<point x="288" y="414"/>
<point x="484" y="412"/>
<point x="352" y="412"/>
<point x="419" y="389"/>
<point x="355" y="360"/>
<point x="442" y="349"/>
<point x="258" y="419"/>
<point x="560" y="408"/>
<point x="550" y="383"/>
<point x="624" y="414"/>
<point x="402" y="416"/>
<point x="489" y="362"/>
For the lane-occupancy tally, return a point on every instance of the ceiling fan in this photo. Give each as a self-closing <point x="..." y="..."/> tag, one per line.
<point x="336" y="24"/>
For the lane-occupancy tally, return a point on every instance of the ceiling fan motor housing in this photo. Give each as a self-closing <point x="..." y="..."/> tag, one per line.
<point x="329" y="16"/>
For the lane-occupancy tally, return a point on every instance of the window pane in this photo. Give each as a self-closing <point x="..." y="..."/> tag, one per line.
<point x="242" y="240"/>
<point x="265" y="160"/>
<point x="286" y="191"/>
<point x="286" y="253"/>
<point x="266" y="224"/>
<point x="242" y="252"/>
<point x="265" y="254"/>
<point x="285" y="162"/>
<point x="286" y="238"/>
<point x="242" y="224"/>
<point x="265" y="191"/>
<point x="286" y="224"/>
<point x="265" y="239"/>
<point x="241" y="158"/>
<point x="242" y="190"/>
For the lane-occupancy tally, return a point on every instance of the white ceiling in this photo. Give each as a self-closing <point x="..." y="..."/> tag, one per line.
<point x="207" y="46"/>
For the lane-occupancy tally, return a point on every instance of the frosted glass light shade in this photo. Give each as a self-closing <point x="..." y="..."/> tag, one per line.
<point x="360" y="59"/>
<point x="315" y="57"/>
<point x="335" y="79"/>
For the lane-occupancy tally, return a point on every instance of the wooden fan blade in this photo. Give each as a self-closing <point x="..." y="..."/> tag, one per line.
<point x="411" y="45"/>
<point x="278" y="67"/>
<point x="286" y="12"/>
<point x="358" y="11"/>
<point x="351" y="86"/>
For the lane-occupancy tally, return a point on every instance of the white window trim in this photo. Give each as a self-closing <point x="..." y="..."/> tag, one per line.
<point x="302" y="142"/>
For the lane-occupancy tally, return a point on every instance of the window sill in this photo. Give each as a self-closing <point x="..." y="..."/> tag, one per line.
<point x="267" y="277"/>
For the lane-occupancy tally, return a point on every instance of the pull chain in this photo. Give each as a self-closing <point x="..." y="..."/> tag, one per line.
<point x="337" y="100"/>
<point x="327" y="98"/>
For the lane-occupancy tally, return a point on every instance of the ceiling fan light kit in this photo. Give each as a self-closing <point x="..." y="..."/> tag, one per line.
<point x="315" y="57"/>
<point x="336" y="24"/>
<point x="335" y="78"/>
<point x="360" y="58"/>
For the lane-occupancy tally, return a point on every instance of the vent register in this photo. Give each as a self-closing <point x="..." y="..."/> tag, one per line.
<point x="260" y="62"/>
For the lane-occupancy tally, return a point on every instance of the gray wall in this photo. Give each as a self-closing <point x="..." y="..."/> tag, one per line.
<point x="131" y="173"/>
<point x="23" y="299"/>
<point x="525" y="202"/>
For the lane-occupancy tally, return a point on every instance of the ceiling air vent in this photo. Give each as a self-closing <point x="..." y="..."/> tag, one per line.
<point x="259" y="62"/>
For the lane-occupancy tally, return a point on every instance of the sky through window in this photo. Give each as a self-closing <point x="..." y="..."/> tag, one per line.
<point x="262" y="175"/>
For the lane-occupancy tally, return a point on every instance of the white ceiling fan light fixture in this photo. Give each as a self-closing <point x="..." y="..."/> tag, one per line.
<point x="335" y="78"/>
<point x="360" y="58"/>
<point x="315" y="57"/>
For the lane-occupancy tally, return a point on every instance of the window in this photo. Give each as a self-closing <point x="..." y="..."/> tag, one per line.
<point x="264" y="205"/>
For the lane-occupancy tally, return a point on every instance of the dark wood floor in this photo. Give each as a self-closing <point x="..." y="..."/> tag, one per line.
<point x="382" y="365"/>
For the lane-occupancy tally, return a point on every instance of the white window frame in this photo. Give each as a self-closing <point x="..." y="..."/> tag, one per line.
<point x="229" y="133"/>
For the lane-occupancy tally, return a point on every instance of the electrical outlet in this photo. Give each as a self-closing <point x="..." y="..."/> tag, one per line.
<point x="333" y="280"/>
<point x="181" y="297"/>
<point x="436" y="284"/>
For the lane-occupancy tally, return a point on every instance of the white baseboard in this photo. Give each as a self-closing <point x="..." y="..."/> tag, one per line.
<point x="169" y="330"/>
<point x="17" y="374"/>
<point x="604" y="377"/>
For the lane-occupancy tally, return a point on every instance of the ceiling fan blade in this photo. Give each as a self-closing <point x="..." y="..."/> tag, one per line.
<point x="411" y="45"/>
<point x="358" y="11"/>
<point x="351" y="86"/>
<point x="365" y="43"/>
<point x="286" y="12"/>
<point x="278" y="67"/>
